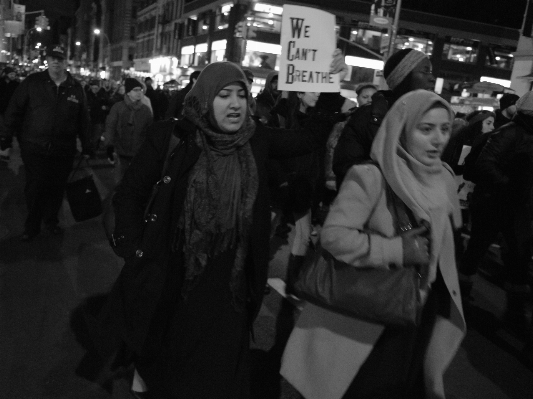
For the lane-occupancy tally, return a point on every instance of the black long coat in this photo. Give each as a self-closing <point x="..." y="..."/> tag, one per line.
<point x="145" y="292"/>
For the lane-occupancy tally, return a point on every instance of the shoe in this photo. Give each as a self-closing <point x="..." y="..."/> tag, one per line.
<point x="55" y="229"/>
<point x="27" y="237"/>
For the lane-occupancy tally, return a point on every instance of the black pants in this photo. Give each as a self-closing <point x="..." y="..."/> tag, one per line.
<point x="46" y="178"/>
<point x="489" y="217"/>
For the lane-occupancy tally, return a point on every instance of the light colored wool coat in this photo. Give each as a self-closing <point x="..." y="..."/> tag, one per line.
<point x="326" y="350"/>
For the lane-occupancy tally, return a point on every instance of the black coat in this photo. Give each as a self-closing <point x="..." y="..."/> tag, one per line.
<point x="141" y="293"/>
<point x="355" y="141"/>
<point x="505" y="165"/>
<point x="47" y="117"/>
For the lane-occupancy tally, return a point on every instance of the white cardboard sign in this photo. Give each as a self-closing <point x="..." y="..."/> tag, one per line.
<point x="307" y="46"/>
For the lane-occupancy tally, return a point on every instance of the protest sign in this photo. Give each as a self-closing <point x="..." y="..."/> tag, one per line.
<point x="307" y="46"/>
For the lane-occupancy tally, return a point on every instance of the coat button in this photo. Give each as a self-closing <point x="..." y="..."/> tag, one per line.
<point x="166" y="179"/>
<point x="139" y="253"/>
<point x="153" y="217"/>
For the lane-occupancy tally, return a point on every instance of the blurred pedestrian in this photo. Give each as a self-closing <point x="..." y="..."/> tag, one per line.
<point x="154" y="97"/>
<point x="47" y="112"/>
<point x="125" y="128"/>
<point x="98" y="107"/>
<point x="250" y="78"/>
<point x="404" y="71"/>
<point x="333" y="356"/>
<point x="507" y="109"/>
<point x="267" y="99"/>
<point x="503" y="174"/>
<point x="175" y="106"/>
<point x="365" y="93"/>
<point x="200" y="264"/>
<point x="118" y="95"/>
<point x="8" y="83"/>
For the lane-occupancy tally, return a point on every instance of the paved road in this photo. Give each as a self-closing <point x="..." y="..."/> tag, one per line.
<point x="43" y="282"/>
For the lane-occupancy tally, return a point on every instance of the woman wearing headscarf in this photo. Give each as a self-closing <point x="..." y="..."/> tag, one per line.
<point x="404" y="71"/>
<point x="333" y="356"/>
<point x="196" y="264"/>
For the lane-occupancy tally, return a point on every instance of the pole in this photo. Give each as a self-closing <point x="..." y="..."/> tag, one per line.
<point x="394" y="28"/>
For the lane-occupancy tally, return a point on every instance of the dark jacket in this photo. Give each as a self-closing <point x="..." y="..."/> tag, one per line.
<point x="356" y="139"/>
<point x="505" y="165"/>
<point x="266" y="101"/>
<point x="175" y="105"/>
<point x="145" y="242"/>
<point x="98" y="106"/>
<point x="125" y="127"/>
<point x="500" y="119"/>
<point x="47" y="117"/>
<point x="7" y="89"/>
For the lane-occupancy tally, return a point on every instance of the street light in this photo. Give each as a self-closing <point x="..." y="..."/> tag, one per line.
<point x="97" y="32"/>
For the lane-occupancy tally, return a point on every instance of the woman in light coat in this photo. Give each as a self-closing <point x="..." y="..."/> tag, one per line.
<point x="333" y="356"/>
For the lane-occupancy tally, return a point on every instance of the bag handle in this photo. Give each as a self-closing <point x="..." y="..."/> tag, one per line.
<point x="77" y="168"/>
<point x="404" y="219"/>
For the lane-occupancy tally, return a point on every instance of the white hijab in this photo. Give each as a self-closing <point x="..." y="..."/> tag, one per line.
<point x="429" y="191"/>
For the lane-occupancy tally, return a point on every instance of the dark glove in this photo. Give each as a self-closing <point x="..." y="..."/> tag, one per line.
<point x="110" y="151"/>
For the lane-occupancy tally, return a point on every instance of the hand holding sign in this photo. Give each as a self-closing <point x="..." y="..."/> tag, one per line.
<point x="338" y="65"/>
<point x="307" y="39"/>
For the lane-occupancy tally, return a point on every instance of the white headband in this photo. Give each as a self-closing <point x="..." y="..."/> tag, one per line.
<point x="406" y="65"/>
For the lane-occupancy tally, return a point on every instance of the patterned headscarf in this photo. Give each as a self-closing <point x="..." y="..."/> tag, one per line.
<point x="217" y="214"/>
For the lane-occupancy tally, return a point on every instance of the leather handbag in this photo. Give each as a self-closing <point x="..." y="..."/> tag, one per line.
<point x="83" y="196"/>
<point x="385" y="296"/>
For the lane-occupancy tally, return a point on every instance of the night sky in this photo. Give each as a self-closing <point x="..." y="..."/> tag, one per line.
<point x="507" y="13"/>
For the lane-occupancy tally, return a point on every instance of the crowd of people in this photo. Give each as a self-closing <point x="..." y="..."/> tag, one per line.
<point x="233" y="170"/>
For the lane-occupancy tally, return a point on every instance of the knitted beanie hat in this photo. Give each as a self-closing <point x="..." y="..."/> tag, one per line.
<point x="400" y="65"/>
<point x="131" y="83"/>
<point x="507" y="100"/>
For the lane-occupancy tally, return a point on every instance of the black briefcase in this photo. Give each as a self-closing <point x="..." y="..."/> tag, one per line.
<point x="83" y="197"/>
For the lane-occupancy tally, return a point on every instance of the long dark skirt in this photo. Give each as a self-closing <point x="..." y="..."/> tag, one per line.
<point x="206" y="351"/>
<point x="394" y="368"/>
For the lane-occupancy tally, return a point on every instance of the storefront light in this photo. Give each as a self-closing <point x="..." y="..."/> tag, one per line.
<point x="252" y="45"/>
<point x="267" y="8"/>
<point x="364" y="62"/>
<point x="201" y="48"/>
<point x="219" y="45"/>
<point x="502" y="82"/>
<point x="187" y="50"/>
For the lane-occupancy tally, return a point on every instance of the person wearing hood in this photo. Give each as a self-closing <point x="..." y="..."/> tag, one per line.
<point x="197" y="265"/>
<point x="175" y="105"/>
<point x="125" y="128"/>
<point x="267" y="99"/>
<point x="333" y="356"/>
<point x="405" y="71"/>
<point x="503" y="174"/>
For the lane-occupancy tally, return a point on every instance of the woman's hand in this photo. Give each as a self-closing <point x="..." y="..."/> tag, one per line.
<point x="415" y="247"/>
<point x="338" y="65"/>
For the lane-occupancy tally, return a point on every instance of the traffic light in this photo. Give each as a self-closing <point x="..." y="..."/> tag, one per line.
<point x="239" y="29"/>
<point x="41" y="22"/>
